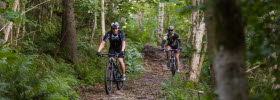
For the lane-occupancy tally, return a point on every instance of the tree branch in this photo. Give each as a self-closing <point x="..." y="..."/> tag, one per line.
<point x="34" y="7"/>
<point x="253" y="68"/>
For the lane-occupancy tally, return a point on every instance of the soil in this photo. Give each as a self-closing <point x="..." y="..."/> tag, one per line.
<point x="145" y="87"/>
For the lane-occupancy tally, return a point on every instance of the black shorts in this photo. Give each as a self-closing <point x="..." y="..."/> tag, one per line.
<point x="114" y="51"/>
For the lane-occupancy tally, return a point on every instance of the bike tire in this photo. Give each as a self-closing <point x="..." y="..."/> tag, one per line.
<point x="173" y="68"/>
<point x="120" y="83"/>
<point x="109" y="79"/>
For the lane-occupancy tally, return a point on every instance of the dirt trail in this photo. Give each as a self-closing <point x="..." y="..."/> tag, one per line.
<point x="146" y="87"/>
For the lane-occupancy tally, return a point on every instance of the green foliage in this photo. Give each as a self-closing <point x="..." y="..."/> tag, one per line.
<point x="35" y="76"/>
<point x="133" y="57"/>
<point x="179" y="89"/>
<point x="262" y="38"/>
<point x="90" y="68"/>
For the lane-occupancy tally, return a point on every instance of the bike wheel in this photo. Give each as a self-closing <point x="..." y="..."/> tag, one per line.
<point x="109" y="79"/>
<point x="120" y="84"/>
<point x="173" y="68"/>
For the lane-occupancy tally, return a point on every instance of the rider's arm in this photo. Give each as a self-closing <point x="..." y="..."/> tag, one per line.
<point x="180" y="43"/>
<point x="179" y="40"/>
<point x="102" y="44"/>
<point x="123" y="45"/>
<point x="162" y="43"/>
<point x="163" y="40"/>
<point x="123" y="41"/>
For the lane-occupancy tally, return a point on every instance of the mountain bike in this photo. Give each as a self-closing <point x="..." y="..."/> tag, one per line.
<point x="113" y="74"/>
<point x="172" y="61"/>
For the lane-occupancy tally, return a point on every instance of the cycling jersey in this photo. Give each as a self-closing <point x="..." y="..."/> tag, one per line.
<point x="115" y="41"/>
<point x="173" y="40"/>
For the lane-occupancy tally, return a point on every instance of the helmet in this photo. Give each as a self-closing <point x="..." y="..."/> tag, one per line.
<point x="115" y="25"/>
<point x="170" y="28"/>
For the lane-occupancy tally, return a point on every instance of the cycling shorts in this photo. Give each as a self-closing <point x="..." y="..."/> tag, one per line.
<point x="174" y="47"/>
<point x="114" y="51"/>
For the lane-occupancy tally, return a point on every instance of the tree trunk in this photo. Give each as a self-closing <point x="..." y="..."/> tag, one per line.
<point x="2" y="20"/>
<point x="9" y="26"/>
<point x="140" y="17"/>
<point x="202" y="56"/>
<point x="102" y="18"/>
<point x="198" y="31"/>
<point x="94" y="26"/>
<point x="227" y="43"/>
<point x="24" y="23"/>
<point x="17" y="30"/>
<point x="68" y="40"/>
<point x="160" y="22"/>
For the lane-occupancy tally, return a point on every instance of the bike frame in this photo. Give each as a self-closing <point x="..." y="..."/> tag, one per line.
<point x="115" y="72"/>
<point x="172" y="61"/>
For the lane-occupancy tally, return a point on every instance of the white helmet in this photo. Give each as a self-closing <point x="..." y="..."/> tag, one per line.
<point x="115" y="25"/>
<point x="170" y="28"/>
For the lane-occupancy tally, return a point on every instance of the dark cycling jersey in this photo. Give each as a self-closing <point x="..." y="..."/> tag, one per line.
<point x="173" y="40"/>
<point x="115" y="40"/>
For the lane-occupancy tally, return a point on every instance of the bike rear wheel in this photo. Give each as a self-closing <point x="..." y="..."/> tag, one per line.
<point x="109" y="79"/>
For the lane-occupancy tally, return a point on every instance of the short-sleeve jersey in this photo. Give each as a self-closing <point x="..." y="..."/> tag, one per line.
<point x="115" y="40"/>
<point x="172" y="39"/>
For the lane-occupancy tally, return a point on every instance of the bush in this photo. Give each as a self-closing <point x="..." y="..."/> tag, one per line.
<point x="178" y="89"/>
<point x="35" y="76"/>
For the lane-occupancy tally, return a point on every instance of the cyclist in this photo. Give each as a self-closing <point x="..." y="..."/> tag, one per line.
<point x="117" y="45"/>
<point x="174" y="42"/>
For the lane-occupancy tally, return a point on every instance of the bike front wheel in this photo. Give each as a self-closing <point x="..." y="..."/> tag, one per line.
<point x="120" y="84"/>
<point x="173" y="68"/>
<point x="109" y="79"/>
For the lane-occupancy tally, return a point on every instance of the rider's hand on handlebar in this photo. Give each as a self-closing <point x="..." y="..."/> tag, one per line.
<point x="122" y="53"/>
<point x="163" y="49"/>
<point x="180" y="48"/>
<point x="99" y="54"/>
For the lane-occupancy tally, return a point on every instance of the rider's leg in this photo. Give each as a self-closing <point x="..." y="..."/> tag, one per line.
<point x="122" y="65"/>
<point x="177" y="60"/>
<point x="168" y="53"/>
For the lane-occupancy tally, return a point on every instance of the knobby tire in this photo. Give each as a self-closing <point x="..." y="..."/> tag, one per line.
<point x="109" y="79"/>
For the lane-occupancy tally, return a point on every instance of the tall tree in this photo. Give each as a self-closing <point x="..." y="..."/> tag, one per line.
<point x="8" y="27"/>
<point x="103" y="17"/>
<point x="226" y="40"/>
<point x="2" y="20"/>
<point x="198" y="31"/>
<point x="140" y="18"/>
<point x="94" y="26"/>
<point x="68" y="39"/>
<point x="160" y="21"/>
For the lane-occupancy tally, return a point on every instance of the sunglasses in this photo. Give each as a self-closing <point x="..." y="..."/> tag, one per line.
<point x="170" y="30"/>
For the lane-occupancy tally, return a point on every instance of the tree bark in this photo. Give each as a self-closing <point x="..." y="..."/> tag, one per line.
<point x="202" y="56"/>
<point x="225" y="35"/>
<point x="2" y="20"/>
<point x="102" y="18"/>
<point x="198" y="31"/>
<point x="68" y="40"/>
<point x="94" y="26"/>
<point x="140" y="17"/>
<point x="9" y="26"/>
<point x="160" y="22"/>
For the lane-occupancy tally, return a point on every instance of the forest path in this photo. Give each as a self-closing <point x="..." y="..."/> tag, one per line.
<point x="145" y="87"/>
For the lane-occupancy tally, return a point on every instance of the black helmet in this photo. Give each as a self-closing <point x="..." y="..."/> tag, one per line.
<point x="115" y="25"/>
<point x="170" y="28"/>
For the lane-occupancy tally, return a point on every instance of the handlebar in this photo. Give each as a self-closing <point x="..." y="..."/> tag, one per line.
<point x="171" y="49"/>
<point x="114" y="55"/>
